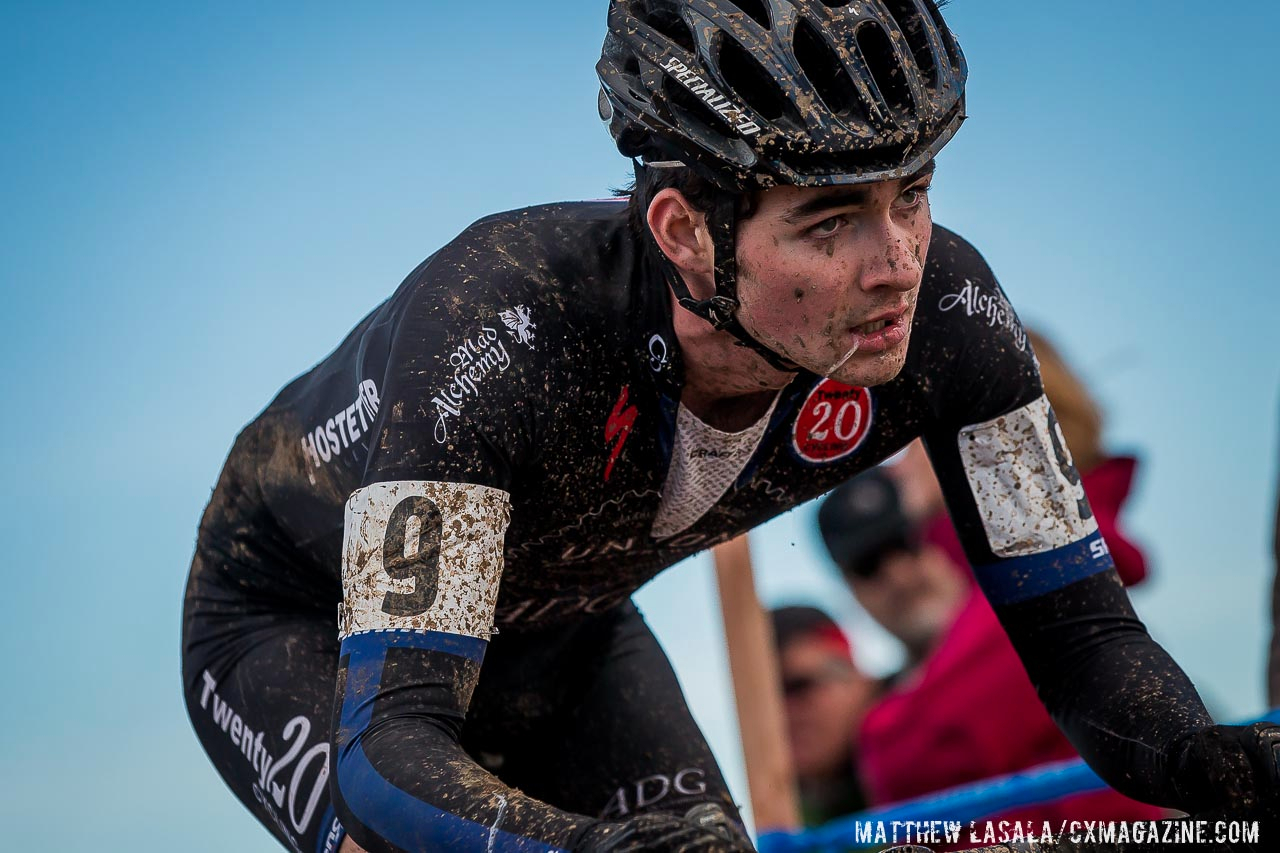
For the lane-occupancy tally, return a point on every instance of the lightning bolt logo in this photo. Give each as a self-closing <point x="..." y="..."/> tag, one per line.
<point x="618" y="426"/>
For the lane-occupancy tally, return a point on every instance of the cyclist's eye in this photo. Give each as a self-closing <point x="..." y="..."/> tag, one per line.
<point x="914" y="197"/>
<point x="827" y="227"/>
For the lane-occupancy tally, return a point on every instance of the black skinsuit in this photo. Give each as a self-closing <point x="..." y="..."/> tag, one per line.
<point x="500" y="431"/>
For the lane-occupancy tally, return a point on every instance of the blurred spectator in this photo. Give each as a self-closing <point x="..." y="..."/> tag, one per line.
<point x="909" y="586"/>
<point x="963" y="708"/>
<point x="826" y="697"/>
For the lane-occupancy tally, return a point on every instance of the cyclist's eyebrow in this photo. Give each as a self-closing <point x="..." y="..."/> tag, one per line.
<point x="854" y="196"/>
<point x="850" y="196"/>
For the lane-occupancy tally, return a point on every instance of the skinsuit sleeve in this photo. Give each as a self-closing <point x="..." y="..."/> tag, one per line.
<point x="422" y="562"/>
<point x="1028" y="530"/>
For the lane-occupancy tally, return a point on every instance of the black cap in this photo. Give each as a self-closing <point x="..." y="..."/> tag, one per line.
<point x="794" y="621"/>
<point x="862" y="519"/>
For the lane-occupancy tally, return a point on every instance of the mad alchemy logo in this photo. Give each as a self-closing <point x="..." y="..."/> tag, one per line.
<point x="478" y="358"/>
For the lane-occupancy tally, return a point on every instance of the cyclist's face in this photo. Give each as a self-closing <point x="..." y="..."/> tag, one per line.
<point x="828" y="277"/>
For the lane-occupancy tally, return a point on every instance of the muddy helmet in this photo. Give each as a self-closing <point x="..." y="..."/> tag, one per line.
<point x="753" y="93"/>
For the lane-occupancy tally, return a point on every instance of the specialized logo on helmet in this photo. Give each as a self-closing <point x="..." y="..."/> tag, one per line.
<point x="833" y="422"/>
<point x="690" y="79"/>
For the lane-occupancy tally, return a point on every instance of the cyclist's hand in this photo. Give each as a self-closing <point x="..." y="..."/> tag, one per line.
<point x="1233" y="770"/>
<point x="703" y="829"/>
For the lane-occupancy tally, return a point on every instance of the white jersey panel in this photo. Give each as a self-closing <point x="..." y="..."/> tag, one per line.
<point x="422" y="556"/>
<point x="704" y="464"/>
<point x="1024" y="483"/>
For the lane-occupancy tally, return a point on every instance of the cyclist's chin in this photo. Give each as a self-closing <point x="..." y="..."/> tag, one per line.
<point x="867" y="369"/>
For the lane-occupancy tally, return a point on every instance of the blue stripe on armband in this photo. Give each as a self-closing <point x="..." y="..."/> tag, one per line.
<point x="373" y="645"/>
<point x="1024" y="578"/>
<point x="402" y="819"/>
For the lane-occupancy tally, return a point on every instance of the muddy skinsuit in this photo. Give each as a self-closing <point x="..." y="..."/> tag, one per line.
<point x="475" y="474"/>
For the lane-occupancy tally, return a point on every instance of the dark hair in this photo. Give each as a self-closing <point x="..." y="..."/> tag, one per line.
<point x="701" y="193"/>
<point x="867" y="565"/>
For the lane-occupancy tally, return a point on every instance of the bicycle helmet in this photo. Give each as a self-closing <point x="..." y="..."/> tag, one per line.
<point x="753" y="93"/>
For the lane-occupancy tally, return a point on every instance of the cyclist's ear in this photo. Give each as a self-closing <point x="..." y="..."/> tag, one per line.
<point x="681" y="232"/>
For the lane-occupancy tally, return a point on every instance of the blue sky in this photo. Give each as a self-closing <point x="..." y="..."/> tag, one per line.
<point x="202" y="198"/>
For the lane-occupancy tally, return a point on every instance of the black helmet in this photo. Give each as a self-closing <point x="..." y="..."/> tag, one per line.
<point x="862" y="518"/>
<point x="753" y="93"/>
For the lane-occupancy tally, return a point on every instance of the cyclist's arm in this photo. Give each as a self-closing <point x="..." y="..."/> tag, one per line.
<point x="422" y="564"/>
<point x="1025" y="522"/>
<point x="421" y="567"/>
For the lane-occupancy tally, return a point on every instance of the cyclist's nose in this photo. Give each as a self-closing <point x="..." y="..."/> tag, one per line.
<point x="892" y="258"/>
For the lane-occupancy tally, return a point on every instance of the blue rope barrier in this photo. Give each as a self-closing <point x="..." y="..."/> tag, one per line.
<point x="963" y="803"/>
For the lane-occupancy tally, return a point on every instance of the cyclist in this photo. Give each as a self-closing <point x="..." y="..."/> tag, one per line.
<point x="565" y="400"/>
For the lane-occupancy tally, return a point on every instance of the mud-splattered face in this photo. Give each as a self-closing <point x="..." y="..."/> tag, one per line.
<point x="828" y="277"/>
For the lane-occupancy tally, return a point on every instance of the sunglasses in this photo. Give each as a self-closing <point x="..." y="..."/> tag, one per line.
<point x="799" y="685"/>
<point x="868" y="565"/>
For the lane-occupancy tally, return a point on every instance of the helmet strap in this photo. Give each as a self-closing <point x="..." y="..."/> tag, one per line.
<point x="721" y="309"/>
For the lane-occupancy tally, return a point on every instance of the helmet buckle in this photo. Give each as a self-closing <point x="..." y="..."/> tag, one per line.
<point x="720" y="310"/>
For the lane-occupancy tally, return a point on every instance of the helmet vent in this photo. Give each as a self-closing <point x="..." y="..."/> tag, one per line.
<point x="950" y="43"/>
<point x="846" y="162"/>
<point x="912" y="23"/>
<point x="753" y="86"/>
<point x="824" y="69"/>
<point x="882" y="62"/>
<point x="670" y="24"/>
<point x="756" y="10"/>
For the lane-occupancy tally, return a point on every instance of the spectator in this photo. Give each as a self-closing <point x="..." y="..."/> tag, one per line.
<point x="826" y="696"/>
<point x="909" y="586"/>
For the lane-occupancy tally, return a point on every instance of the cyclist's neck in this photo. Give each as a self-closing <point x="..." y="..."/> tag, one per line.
<point x="728" y="414"/>
<point x="726" y="385"/>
